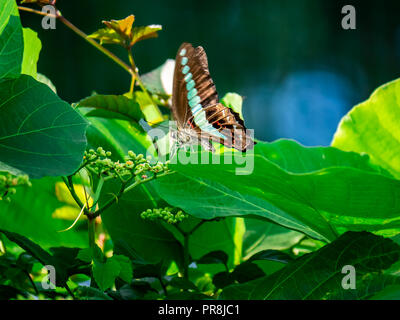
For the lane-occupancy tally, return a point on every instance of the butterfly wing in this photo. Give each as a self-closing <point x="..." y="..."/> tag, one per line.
<point x="195" y="101"/>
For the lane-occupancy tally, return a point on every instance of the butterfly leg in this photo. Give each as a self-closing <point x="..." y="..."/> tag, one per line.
<point x="207" y="145"/>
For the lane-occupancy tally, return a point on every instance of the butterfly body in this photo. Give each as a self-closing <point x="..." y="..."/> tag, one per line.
<point x="196" y="107"/>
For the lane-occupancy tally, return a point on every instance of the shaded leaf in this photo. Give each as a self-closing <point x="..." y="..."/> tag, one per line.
<point x="126" y="267"/>
<point x="88" y="293"/>
<point x="11" y="40"/>
<point x="47" y="137"/>
<point x="271" y="255"/>
<point x="318" y="275"/>
<point x="223" y="279"/>
<point x="105" y="273"/>
<point x="159" y="80"/>
<point x="182" y="283"/>
<point x="247" y="271"/>
<point x="263" y="235"/>
<point x="214" y="257"/>
<point x="112" y="106"/>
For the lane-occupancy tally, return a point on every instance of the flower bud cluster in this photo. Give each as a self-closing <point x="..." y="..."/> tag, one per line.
<point x="170" y="215"/>
<point x="135" y="165"/>
<point x="9" y="183"/>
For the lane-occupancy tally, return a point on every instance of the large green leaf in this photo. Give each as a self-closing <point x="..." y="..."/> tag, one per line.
<point x="373" y="127"/>
<point x="31" y="211"/>
<point x="39" y="133"/>
<point x="11" y="40"/>
<point x="112" y="106"/>
<point x="319" y="275"/>
<point x="319" y="191"/>
<point x="264" y="235"/>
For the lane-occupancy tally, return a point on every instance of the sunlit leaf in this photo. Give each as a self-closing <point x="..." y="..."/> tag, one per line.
<point x="32" y="47"/>
<point x="122" y="27"/>
<point x="321" y="192"/>
<point x="233" y="101"/>
<point x="373" y="127"/>
<point x="144" y="32"/>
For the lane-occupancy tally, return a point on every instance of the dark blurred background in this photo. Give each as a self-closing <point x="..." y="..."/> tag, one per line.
<point x="299" y="71"/>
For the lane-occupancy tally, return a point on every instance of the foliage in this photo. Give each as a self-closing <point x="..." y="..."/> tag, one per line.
<point x="279" y="222"/>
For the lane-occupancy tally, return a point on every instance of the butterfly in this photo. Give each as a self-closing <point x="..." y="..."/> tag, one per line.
<point x="196" y="108"/>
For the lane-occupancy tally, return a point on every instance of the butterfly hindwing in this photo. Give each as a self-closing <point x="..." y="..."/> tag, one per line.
<point x="195" y="101"/>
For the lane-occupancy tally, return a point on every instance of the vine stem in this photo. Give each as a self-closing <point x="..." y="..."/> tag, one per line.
<point x="186" y="256"/>
<point x="132" y="70"/>
<point x="82" y="35"/>
<point x="186" y="235"/>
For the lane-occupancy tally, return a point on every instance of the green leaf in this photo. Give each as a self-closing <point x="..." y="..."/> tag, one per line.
<point x="372" y="127"/>
<point x="223" y="235"/>
<point x="234" y="101"/>
<point x="319" y="191"/>
<point x="214" y="257"/>
<point x="247" y="271"/>
<point x="87" y="256"/>
<point x="264" y="235"/>
<point x="271" y="255"/>
<point x="105" y="273"/>
<point x="25" y="261"/>
<point x="151" y="112"/>
<point x="61" y="260"/>
<point x="112" y="107"/>
<point x="46" y="136"/>
<point x="88" y="293"/>
<point x="223" y="279"/>
<point x="389" y="293"/>
<point x="31" y="211"/>
<point x="182" y="283"/>
<point x="318" y="275"/>
<point x="159" y="80"/>
<point x="121" y="32"/>
<point x="32" y="47"/>
<point x="11" y="40"/>
<point x="145" y="32"/>
<point x="126" y="267"/>
<point x="35" y="250"/>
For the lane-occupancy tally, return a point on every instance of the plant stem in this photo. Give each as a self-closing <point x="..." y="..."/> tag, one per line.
<point x="186" y="256"/>
<point x="163" y="285"/>
<point x="131" y="70"/>
<point x="69" y="291"/>
<point x="36" y="12"/>
<point x="92" y="233"/>
<point x="125" y="189"/>
<point x="82" y="35"/>
<point x="96" y="44"/>
<point x="70" y="185"/>
<point x="32" y="283"/>
<point x="133" y="66"/>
